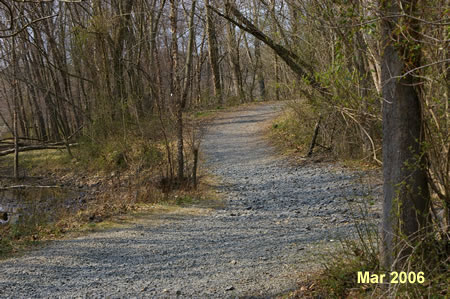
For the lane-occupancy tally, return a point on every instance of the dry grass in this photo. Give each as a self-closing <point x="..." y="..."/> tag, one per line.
<point x="115" y="197"/>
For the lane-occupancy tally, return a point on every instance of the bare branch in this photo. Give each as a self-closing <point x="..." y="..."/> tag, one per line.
<point x="34" y="148"/>
<point x="28" y="25"/>
<point x="291" y="59"/>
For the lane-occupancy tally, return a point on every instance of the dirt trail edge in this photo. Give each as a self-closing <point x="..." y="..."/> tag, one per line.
<point x="257" y="246"/>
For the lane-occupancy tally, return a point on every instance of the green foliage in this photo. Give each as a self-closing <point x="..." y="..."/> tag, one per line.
<point x="184" y="200"/>
<point x="342" y="269"/>
<point x="40" y="161"/>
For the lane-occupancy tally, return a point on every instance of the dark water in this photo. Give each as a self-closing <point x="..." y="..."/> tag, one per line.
<point x="46" y="203"/>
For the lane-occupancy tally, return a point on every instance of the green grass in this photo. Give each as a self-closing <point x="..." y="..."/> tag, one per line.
<point x="185" y="200"/>
<point x="203" y="114"/>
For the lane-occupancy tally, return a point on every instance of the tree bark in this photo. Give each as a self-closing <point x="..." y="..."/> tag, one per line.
<point x="124" y="14"/>
<point x="406" y="195"/>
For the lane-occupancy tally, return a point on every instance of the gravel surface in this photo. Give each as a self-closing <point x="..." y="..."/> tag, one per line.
<point x="278" y="218"/>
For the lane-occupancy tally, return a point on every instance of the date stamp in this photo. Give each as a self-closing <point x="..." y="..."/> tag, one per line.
<point x="393" y="277"/>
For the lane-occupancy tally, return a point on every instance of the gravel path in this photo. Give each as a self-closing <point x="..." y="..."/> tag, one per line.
<point x="276" y="217"/>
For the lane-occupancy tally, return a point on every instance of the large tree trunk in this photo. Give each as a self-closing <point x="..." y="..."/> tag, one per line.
<point x="406" y="196"/>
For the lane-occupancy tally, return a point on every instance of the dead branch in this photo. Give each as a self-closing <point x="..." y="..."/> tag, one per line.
<point x="15" y="187"/>
<point x="35" y="147"/>
<point x="313" y="140"/>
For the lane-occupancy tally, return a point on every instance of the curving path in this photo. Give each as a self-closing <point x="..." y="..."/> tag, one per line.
<point x="276" y="218"/>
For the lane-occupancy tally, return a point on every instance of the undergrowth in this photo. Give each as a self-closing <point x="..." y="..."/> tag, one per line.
<point x="119" y="169"/>
<point x="339" y="279"/>
<point x="116" y="199"/>
<point x="337" y="138"/>
<point x="292" y="132"/>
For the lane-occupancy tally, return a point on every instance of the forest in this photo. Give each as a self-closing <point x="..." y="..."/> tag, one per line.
<point x="130" y="86"/>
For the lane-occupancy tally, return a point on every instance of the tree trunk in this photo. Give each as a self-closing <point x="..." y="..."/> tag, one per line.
<point x="174" y="78"/>
<point x="15" y="120"/>
<point x="258" y="62"/>
<point x="186" y="85"/>
<point x="277" y="77"/>
<point x="124" y="14"/>
<point x="259" y="70"/>
<point x="233" y="56"/>
<point x="213" y="52"/>
<point x="406" y="196"/>
<point x="194" y="167"/>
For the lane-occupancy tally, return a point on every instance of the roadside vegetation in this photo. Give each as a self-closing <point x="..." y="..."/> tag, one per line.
<point x="339" y="277"/>
<point x="354" y="124"/>
<point x="99" y="182"/>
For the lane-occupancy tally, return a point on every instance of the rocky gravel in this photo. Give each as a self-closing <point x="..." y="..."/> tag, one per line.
<point x="277" y="220"/>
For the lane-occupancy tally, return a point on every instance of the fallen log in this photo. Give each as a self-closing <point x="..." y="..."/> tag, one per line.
<point x="35" y="147"/>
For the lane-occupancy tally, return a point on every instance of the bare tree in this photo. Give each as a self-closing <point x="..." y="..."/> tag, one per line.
<point x="213" y="51"/>
<point x="233" y="57"/>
